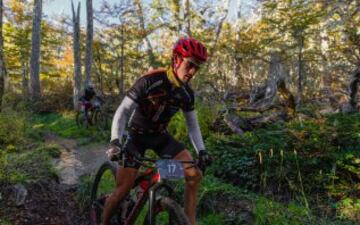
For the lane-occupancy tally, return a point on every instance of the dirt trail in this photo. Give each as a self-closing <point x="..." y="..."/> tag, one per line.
<point x="76" y="160"/>
<point x="47" y="202"/>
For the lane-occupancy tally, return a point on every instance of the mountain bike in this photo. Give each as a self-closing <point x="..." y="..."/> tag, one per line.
<point x="150" y="186"/>
<point x="96" y="116"/>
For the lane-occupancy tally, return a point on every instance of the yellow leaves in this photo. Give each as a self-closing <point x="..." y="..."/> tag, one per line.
<point x="175" y="5"/>
<point x="20" y="11"/>
<point x="67" y="58"/>
<point x="300" y="135"/>
<point x="16" y="6"/>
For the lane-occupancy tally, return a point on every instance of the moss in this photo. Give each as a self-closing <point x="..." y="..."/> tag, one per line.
<point x="26" y="166"/>
<point x="64" y="125"/>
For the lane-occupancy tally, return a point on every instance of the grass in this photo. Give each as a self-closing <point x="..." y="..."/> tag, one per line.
<point x="64" y="125"/>
<point x="27" y="166"/>
<point x="327" y="156"/>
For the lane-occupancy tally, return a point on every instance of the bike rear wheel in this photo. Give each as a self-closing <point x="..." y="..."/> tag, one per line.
<point x="81" y="120"/>
<point x="168" y="212"/>
<point x="104" y="184"/>
<point x="100" y="120"/>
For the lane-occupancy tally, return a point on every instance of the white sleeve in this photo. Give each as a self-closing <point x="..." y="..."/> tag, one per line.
<point x="194" y="130"/>
<point x="121" y="117"/>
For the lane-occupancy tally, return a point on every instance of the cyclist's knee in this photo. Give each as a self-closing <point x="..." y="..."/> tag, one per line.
<point x="193" y="178"/>
<point x="120" y="191"/>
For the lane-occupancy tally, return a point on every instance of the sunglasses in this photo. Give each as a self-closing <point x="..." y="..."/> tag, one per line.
<point x="191" y="63"/>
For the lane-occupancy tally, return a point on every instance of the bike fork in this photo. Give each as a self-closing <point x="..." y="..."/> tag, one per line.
<point x="152" y="199"/>
<point x="151" y="217"/>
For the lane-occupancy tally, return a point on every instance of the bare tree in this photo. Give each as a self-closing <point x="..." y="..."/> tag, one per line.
<point x="237" y="57"/>
<point x="301" y="74"/>
<point x="77" y="55"/>
<point x="175" y="8"/>
<point x="354" y="87"/>
<point x="2" y="63"/>
<point x="149" y="49"/>
<point x="89" y="42"/>
<point x="122" y="62"/>
<point x="35" y="52"/>
<point x="114" y="42"/>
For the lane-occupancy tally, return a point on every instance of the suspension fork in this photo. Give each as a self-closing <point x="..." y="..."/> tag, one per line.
<point x="152" y="199"/>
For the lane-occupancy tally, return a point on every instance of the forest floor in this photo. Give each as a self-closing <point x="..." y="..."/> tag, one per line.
<point x="50" y="163"/>
<point x="57" y="202"/>
<point x="54" y="201"/>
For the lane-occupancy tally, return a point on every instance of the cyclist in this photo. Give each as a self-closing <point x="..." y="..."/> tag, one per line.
<point x="149" y="105"/>
<point x="88" y="99"/>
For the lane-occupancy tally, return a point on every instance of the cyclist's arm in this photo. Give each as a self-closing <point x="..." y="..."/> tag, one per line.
<point x="194" y="130"/>
<point x="121" y="117"/>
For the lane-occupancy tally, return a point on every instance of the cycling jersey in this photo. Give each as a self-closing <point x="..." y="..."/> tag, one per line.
<point x="158" y="101"/>
<point x="148" y="106"/>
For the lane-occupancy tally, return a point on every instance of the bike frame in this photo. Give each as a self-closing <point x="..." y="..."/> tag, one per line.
<point x="149" y="190"/>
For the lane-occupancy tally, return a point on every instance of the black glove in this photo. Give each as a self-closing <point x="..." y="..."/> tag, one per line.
<point x="205" y="159"/>
<point x="115" y="150"/>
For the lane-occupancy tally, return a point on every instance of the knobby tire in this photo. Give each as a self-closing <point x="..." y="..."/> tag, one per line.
<point x="176" y="213"/>
<point x="107" y="166"/>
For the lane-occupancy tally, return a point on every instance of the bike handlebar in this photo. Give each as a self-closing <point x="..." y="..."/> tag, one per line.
<point x="140" y="160"/>
<point x="154" y="160"/>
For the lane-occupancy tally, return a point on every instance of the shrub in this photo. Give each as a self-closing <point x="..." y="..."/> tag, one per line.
<point x="205" y="115"/>
<point x="12" y="127"/>
<point x="299" y="159"/>
<point x="26" y="166"/>
<point x="270" y="212"/>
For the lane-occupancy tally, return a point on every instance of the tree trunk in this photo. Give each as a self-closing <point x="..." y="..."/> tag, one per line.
<point x="89" y="42"/>
<point x="35" y="91"/>
<point x="2" y="63"/>
<point x="211" y="51"/>
<point x="175" y="8"/>
<point x="264" y="97"/>
<point x="149" y="49"/>
<point x="354" y="87"/>
<point x="237" y="56"/>
<point x="300" y="73"/>
<point x="122" y="63"/>
<point x="25" y="83"/>
<point x="77" y="55"/>
<point x="187" y="18"/>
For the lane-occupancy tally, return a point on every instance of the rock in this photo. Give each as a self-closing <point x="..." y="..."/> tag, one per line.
<point x="20" y="194"/>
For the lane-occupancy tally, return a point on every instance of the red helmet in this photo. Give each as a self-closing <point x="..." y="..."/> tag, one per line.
<point x="190" y="47"/>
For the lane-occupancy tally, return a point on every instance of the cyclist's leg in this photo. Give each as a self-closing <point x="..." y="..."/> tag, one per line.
<point x="193" y="178"/>
<point x="125" y="178"/>
<point x="86" y="111"/>
<point x="171" y="148"/>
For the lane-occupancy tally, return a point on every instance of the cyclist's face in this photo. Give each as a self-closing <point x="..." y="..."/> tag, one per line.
<point x="187" y="68"/>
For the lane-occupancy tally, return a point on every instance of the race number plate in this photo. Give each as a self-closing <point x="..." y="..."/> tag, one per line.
<point x="170" y="169"/>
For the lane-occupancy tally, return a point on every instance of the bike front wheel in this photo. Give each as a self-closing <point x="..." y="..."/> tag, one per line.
<point x="168" y="212"/>
<point x="104" y="184"/>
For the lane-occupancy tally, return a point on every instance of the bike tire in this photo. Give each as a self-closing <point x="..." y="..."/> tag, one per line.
<point x="107" y="169"/>
<point x="100" y="120"/>
<point x="81" y="120"/>
<point x="172" y="208"/>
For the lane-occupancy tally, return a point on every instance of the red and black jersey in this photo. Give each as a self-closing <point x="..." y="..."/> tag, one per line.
<point x="158" y="100"/>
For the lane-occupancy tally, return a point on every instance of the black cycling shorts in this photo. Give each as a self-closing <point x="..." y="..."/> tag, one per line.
<point x="163" y="144"/>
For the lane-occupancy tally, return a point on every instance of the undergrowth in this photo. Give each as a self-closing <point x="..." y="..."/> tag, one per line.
<point x="315" y="162"/>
